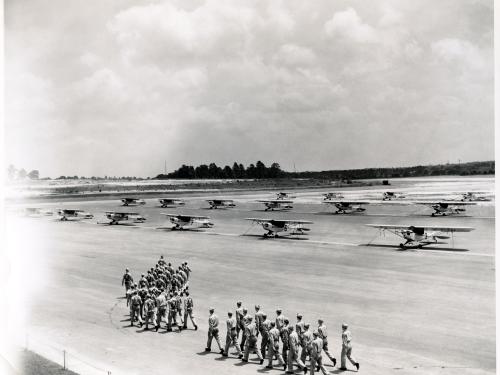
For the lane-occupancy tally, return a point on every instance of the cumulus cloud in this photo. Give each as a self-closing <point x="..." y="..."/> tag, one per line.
<point x="347" y="24"/>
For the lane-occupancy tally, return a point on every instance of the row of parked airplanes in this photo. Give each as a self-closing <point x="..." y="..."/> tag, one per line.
<point x="415" y="236"/>
<point x="283" y="202"/>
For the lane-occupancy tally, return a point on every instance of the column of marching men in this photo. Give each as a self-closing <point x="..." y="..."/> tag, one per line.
<point x="163" y="294"/>
<point x="160" y="294"/>
<point x="298" y="341"/>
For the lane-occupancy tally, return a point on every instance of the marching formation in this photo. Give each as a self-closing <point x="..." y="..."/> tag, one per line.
<point x="283" y="341"/>
<point x="161" y="293"/>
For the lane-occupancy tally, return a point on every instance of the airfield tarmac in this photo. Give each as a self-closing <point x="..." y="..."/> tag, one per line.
<point x="410" y="312"/>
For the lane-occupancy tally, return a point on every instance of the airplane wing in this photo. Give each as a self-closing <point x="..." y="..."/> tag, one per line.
<point x="266" y="220"/>
<point x="451" y="203"/>
<point x="188" y="217"/>
<point x="425" y="227"/>
<point x="123" y="213"/>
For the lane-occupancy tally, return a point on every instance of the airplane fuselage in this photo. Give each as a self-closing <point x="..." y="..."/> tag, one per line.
<point x="189" y="223"/>
<point x="343" y="208"/>
<point x="274" y="228"/>
<point x="117" y="218"/>
<point x="221" y="204"/>
<point x="171" y="202"/>
<point x="271" y="206"/>
<point x="446" y="209"/>
<point x="74" y="214"/>
<point x="133" y="202"/>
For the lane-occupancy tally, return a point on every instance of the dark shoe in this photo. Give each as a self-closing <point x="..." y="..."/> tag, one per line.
<point x="195" y="328"/>
<point x="357" y="366"/>
<point x="262" y="361"/>
<point x="240" y="356"/>
<point x="156" y="328"/>
<point x="169" y="329"/>
<point x="284" y="367"/>
<point x="269" y="367"/>
<point x="184" y="327"/>
<point x="343" y="369"/>
<point x="221" y="351"/>
<point x="245" y="360"/>
<point x="334" y="362"/>
<point x="289" y="372"/>
<point x="305" y="370"/>
<point x="207" y="349"/>
<point x="224" y="355"/>
<point x="317" y="368"/>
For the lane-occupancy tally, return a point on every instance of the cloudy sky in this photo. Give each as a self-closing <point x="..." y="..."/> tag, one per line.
<point x="118" y="87"/>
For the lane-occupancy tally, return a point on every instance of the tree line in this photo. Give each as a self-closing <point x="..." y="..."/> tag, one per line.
<point x="238" y="171"/>
<point x="260" y="171"/>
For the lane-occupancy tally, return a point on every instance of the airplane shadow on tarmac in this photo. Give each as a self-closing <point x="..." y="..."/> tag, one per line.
<point x="169" y="229"/>
<point x="261" y="237"/>
<point x="396" y="248"/>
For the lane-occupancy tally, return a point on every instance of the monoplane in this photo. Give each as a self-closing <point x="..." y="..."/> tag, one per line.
<point x="275" y="226"/>
<point x="329" y="196"/>
<point x="390" y="195"/>
<point x="348" y="207"/>
<point x="117" y="217"/>
<point x="221" y="203"/>
<point x="189" y="221"/>
<point x="446" y="208"/>
<point x="132" y="201"/>
<point x="173" y="202"/>
<point x="66" y="214"/>
<point x="418" y="236"/>
<point x="277" y="204"/>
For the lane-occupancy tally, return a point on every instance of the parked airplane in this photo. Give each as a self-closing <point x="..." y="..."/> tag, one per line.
<point x="420" y="236"/>
<point x="189" y="221"/>
<point x="132" y="201"/>
<point x="348" y="207"/>
<point x="278" y="204"/>
<point x="35" y="211"/>
<point x="390" y="195"/>
<point x="66" y="214"/>
<point x="174" y="202"/>
<point x="473" y="197"/>
<point x="446" y="208"/>
<point x="284" y="195"/>
<point x="221" y="203"/>
<point x="116" y="217"/>
<point x="275" y="226"/>
<point x="329" y="196"/>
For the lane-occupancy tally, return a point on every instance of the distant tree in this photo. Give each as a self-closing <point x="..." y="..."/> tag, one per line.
<point x="236" y="170"/>
<point x="214" y="171"/>
<point x="11" y="172"/>
<point x="21" y="174"/>
<point x="274" y="171"/>
<point x="227" y="172"/>
<point x="251" y="171"/>
<point x="34" y="174"/>
<point x="260" y="170"/>
<point x="201" y="171"/>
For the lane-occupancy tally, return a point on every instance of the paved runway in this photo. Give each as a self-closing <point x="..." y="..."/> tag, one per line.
<point x="427" y="311"/>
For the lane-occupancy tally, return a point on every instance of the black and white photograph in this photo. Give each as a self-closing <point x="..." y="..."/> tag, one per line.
<point x="245" y="187"/>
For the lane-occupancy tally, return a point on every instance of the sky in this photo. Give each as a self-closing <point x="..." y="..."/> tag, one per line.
<point x="122" y="87"/>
